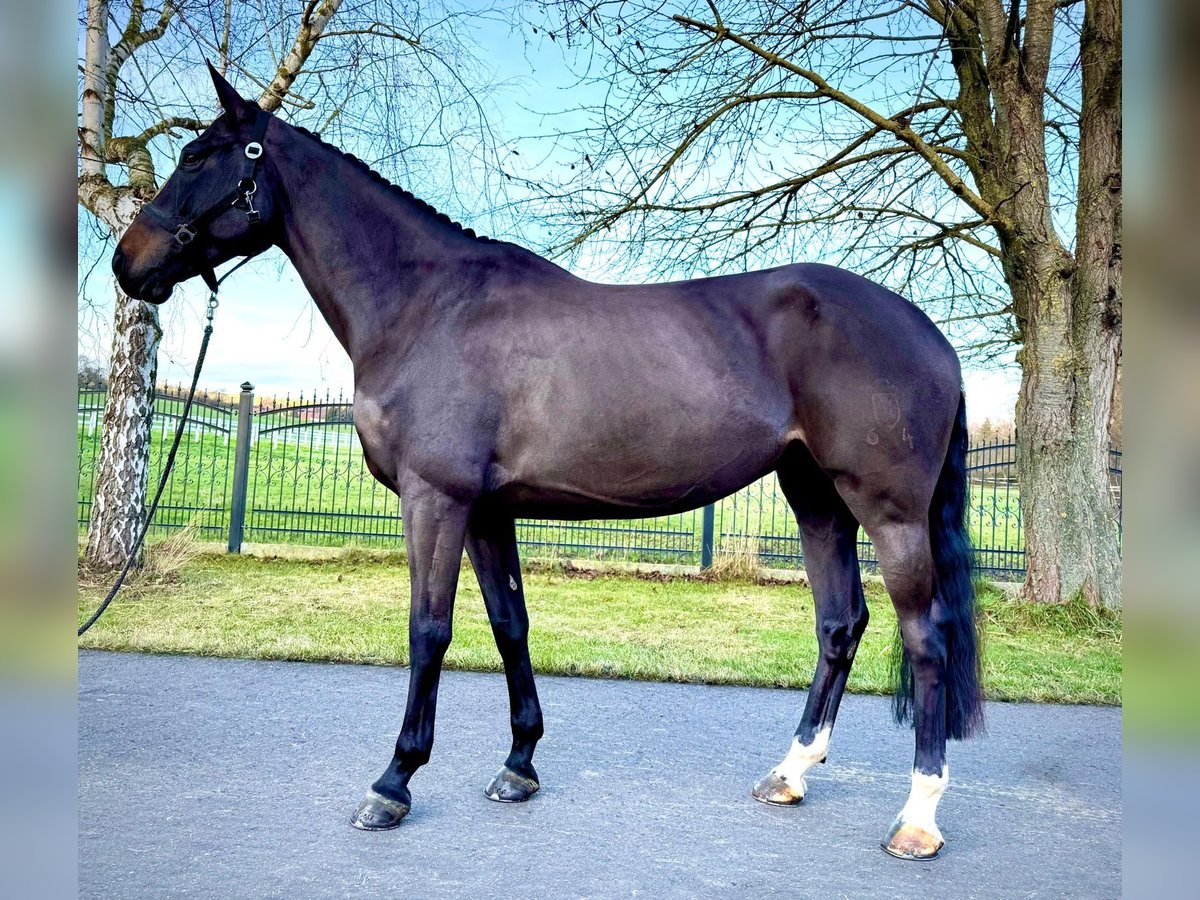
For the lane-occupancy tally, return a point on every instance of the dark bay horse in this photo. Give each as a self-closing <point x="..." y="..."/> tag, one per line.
<point x="491" y="385"/>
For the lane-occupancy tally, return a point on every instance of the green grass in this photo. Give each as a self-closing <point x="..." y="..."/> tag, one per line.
<point x="355" y="609"/>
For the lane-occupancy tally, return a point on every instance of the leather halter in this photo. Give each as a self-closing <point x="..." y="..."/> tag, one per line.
<point x="186" y="230"/>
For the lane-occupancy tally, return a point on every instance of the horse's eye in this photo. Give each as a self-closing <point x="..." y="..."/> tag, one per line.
<point x="189" y="159"/>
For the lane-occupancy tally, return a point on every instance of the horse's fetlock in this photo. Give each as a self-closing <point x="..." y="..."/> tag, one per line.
<point x="528" y="728"/>
<point x="411" y="755"/>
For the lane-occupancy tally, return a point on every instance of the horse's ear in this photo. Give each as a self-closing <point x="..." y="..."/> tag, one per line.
<point x="231" y="101"/>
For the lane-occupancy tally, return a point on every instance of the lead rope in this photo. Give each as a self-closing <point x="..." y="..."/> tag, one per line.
<point x="166" y="472"/>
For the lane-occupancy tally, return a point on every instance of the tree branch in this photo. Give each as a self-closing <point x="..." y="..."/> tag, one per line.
<point x="376" y="29"/>
<point x="316" y="16"/>
<point x="169" y="124"/>
<point x="902" y="132"/>
<point x="133" y="37"/>
<point x="93" y="102"/>
<point x="986" y="144"/>
<point x="699" y="129"/>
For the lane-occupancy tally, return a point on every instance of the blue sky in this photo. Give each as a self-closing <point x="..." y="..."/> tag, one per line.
<point x="269" y="332"/>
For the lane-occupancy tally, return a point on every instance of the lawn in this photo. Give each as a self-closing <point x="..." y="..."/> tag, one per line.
<point x="354" y="608"/>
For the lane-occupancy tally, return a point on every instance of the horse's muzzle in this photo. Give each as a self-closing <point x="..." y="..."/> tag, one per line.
<point x="151" y="287"/>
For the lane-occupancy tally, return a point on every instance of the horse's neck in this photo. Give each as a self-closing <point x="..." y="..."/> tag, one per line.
<point x="363" y="252"/>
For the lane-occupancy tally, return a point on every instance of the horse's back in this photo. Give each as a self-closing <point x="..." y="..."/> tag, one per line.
<point x="584" y="399"/>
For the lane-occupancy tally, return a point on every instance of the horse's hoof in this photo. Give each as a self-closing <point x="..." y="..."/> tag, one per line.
<point x="378" y="813"/>
<point x="778" y="791"/>
<point x="909" y="841"/>
<point x="509" y="787"/>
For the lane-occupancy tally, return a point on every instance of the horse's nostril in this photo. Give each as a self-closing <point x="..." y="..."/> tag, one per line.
<point x="118" y="262"/>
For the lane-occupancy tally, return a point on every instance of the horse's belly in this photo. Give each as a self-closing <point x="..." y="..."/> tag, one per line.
<point x="644" y="471"/>
<point x="542" y="502"/>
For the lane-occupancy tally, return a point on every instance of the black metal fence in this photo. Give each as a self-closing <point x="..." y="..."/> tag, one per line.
<point x="199" y="487"/>
<point x="291" y="471"/>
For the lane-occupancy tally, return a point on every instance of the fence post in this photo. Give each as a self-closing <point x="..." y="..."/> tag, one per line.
<point x="707" y="537"/>
<point x="241" y="467"/>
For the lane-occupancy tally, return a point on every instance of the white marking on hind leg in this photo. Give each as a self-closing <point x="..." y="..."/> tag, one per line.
<point x="921" y="808"/>
<point x="802" y="757"/>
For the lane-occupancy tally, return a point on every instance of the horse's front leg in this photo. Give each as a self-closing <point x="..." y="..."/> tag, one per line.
<point x="492" y="546"/>
<point x="434" y="529"/>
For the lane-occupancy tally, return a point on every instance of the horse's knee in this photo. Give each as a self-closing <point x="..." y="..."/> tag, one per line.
<point x="838" y="636"/>
<point x="430" y="638"/>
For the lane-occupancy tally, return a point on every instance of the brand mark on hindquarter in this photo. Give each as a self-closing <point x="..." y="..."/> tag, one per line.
<point x="886" y="407"/>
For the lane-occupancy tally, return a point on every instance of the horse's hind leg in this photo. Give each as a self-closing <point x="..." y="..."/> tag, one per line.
<point x="434" y="529"/>
<point x="828" y="534"/>
<point x="492" y="547"/>
<point x="906" y="561"/>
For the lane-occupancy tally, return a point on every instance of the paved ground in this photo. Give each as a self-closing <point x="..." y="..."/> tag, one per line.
<point x="206" y="778"/>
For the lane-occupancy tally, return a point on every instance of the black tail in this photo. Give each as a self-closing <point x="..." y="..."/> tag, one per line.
<point x="953" y="561"/>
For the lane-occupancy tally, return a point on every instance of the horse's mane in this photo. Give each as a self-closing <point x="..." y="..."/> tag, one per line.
<point x="395" y="188"/>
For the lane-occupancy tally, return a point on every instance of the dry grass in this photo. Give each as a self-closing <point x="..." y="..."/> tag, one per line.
<point x="162" y="563"/>
<point x="166" y="559"/>
<point x="736" y="559"/>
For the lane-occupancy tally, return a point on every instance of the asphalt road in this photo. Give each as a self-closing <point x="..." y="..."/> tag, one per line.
<point x="224" y="778"/>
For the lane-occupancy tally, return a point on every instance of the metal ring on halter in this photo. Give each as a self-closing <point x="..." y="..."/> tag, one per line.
<point x="184" y="235"/>
<point x="254" y="150"/>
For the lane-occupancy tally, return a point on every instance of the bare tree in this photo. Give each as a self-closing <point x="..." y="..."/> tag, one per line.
<point x="965" y="152"/>
<point x="350" y="70"/>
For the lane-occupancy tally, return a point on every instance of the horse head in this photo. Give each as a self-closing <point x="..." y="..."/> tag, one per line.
<point x="218" y="203"/>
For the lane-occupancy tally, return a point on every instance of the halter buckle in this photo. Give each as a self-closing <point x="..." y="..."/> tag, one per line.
<point x="184" y="234"/>
<point x="248" y="188"/>
<point x="254" y="150"/>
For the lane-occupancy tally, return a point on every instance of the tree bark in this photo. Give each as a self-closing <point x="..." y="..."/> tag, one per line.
<point x="91" y="118"/>
<point x="122" y="466"/>
<point x="1068" y="366"/>
<point x="1067" y="305"/>
<point x="122" y="469"/>
<point x="1071" y="525"/>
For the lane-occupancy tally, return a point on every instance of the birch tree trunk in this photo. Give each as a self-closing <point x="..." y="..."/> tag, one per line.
<point x="122" y="467"/>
